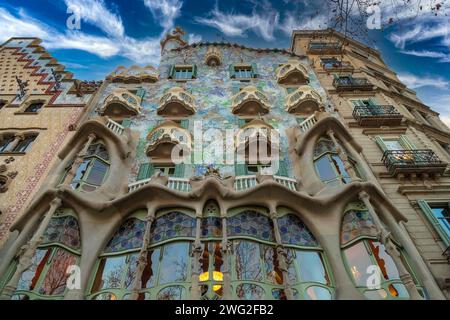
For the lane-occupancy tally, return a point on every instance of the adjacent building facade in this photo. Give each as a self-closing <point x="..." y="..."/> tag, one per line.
<point x="231" y="172"/>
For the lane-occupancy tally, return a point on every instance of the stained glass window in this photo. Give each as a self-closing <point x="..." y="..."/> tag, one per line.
<point x="211" y="227"/>
<point x="293" y="231"/>
<point x="175" y="262"/>
<point x="247" y="291"/>
<point x="323" y="146"/>
<point x="63" y="230"/>
<point x="250" y="223"/>
<point x="248" y="266"/>
<point x="129" y="236"/>
<point x="357" y="223"/>
<point x="173" y="225"/>
<point x="171" y="293"/>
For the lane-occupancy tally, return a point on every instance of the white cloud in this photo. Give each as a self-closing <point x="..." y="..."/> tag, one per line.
<point x="236" y="25"/>
<point x="442" y="56"/>
<point x="194" y="38"/>
<point x="415" y="82"/>
<point x="96" y="13"/>
<point x="303" y="22"/>
<point x="165" y="11"/>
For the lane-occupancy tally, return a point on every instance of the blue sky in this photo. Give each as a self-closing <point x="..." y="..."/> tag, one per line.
<point x="414" y="39"/>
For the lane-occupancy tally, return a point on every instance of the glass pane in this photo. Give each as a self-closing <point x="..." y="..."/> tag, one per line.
<point x="384" y="260"/>
<point x="30" y="277"/>
<point x="211" y="227"/>
<point x="97" y="173"/>
<point x="173" y="225"/>
<point x="20" y="297"/>
<point x="358" y="260"/>
<point x="398" y="290"/>
<point x="311" y="267"/>
<point x="64" y="230"/>
<point x="357" y="223"/>
<point x="279" y="294"/>
<point x="56" y="276"/>
<point x="171" y="293"/>
<point x="393" y="145"/>
<point x="443" y="216"/>
<point x="317" y="293"/>
<point x="248" y="291"/>
<point x="129" y="236"/>
<point x="248" y="260"/>
<point x="340" y="169"/>
<point x="110" y="273"/>
<point x="294" y="231"/>
<point x="174" y="264"/>
<point x="132" y="262"/>
<point x="272" y="265"/>
<point x="325" y="169"/>
<point x="292" y="272"/>
<point x="105" y="296"/>
<point x="81" y="170"/>
<point x="251" y="223"/>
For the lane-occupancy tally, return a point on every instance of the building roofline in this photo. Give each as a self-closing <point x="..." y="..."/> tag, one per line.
<point x="333" y="32"/>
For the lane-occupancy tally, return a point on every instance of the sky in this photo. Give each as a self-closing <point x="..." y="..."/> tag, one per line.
<point x="414" y="37"/>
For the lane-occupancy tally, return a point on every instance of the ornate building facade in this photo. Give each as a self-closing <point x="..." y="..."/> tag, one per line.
<point x="311" y="217"/>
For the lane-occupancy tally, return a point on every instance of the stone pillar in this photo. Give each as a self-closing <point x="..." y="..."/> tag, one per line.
<point x="391" y="249"/>
<point x="78" y="160"/>
<point x="142" y="260"/>
<point x="282" y="255"/>
<point x="227" y="251"/>
<point x="344" y="157"/>
<point x="196" y="254"/>
<point x="28" y="251"/>
<point x="17" y="138"/>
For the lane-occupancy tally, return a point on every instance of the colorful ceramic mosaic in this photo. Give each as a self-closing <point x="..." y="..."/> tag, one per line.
<point x="357" y="223"/>
<point x="252" y="224"/>
<point x="293" y="231"/>
<point x="129" y="236"/>
<point x="172" y="225"/>
<point x="211" y="227"/>
<point x="63" y="230"/>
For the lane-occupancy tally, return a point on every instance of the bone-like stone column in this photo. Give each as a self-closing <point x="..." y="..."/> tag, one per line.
<point x="142" y="260"/>
<point x="78" y="160"/>
<point x="227" y="248"/>
<point x="196" y="254"/>
<point x="392" y="250"/>
<point x="344" y="157"/>
<point x="281" y="253"/>
<point x="28" y="251"/>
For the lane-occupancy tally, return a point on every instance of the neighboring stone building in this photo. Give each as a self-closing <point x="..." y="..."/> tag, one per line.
<point x="40" y="104"/>
<point x="404" y="141"/>
<point x="305" y="220"/>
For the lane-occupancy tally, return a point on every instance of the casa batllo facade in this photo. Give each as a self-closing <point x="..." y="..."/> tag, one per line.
<point x="310" y="226"/>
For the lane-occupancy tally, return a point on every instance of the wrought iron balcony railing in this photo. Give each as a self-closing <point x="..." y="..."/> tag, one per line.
<point x="413" y="162"/>
<point x="377" y="115"/>
<point x="338" y="65"/>
<point x="350" y="84"/>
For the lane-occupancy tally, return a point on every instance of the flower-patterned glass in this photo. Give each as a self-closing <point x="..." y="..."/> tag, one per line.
<point x="251" y="223"/>
<point x="64" y="230"/>
<point x="322" y="146"/>
<point x="129" y="236"/>
<point x="357" y="223"/>
<point x="173" y="225"/>
<point x="293" y="231"/>
<point x="211" y="227"/>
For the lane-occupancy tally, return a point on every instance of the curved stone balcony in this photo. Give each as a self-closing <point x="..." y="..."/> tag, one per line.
<point x="292" y="72"/>
<point x="304" y="100"/>
<point x="121" y="103"/>
<point x="164" y="138"/>
<point x="213" y="56"/>
<point x="250" y="102"/>
<point x="257" y="131"/>
<point x="176" y="102"/>
<point x="134" y="74"/>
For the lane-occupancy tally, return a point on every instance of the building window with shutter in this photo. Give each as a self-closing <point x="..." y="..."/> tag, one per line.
<point x="243" y="71"/>
<point x="438" y="214"/>
<point x="183" y="72"/>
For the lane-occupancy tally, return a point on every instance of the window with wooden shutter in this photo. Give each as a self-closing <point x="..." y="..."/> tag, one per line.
<point x="146" y="171"/>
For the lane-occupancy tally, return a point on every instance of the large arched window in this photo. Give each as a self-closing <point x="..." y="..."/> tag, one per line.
<point x="307" y="267"/>
<point x="363" y="254"/>
<point x="329" y="166"/>
<point x="167" y="272"/>
<point x="92" y="172"/>
<point x="61" y="247"/>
